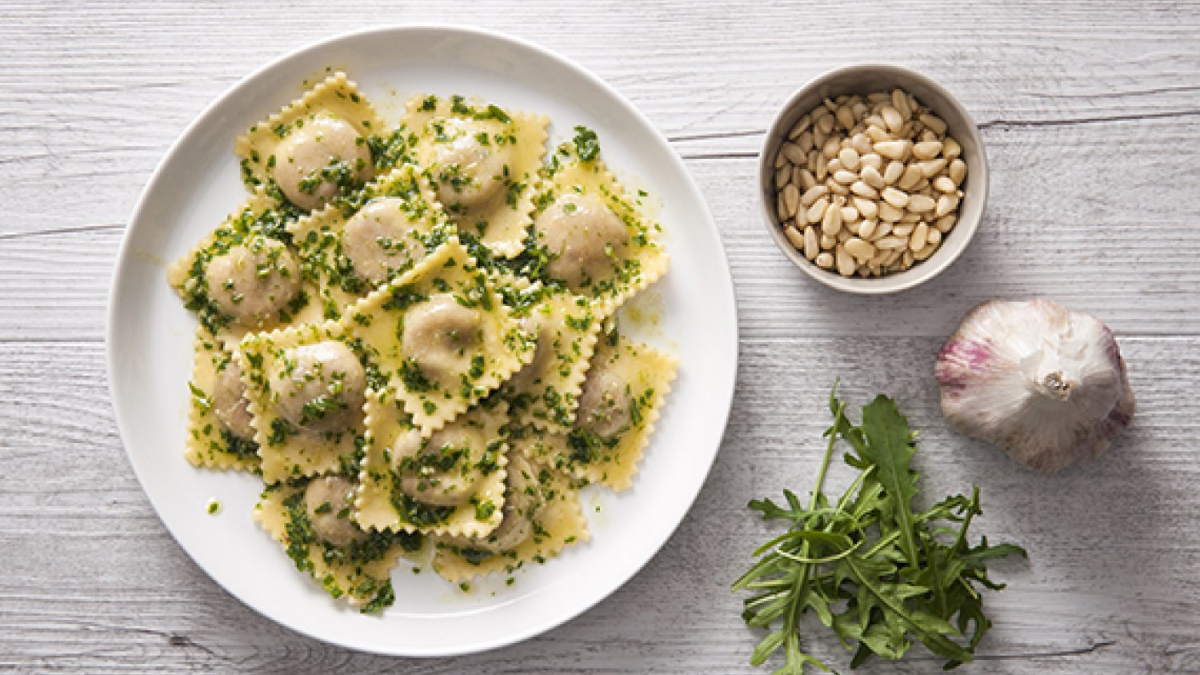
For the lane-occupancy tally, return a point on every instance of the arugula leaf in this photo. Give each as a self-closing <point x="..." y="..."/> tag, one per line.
<point x="880" y="575"/>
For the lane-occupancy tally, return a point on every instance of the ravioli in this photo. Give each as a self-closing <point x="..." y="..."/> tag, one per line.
<point x="451" y="482"/>
<point x="219" y="431"/>
<point x="589" y="235"/>
<point x="362" y="243"/>
<point x="483" y="162"/>
<point x="545" y="392"/>
<point x="316" y="148"/>
<point x="440" y="336"/>
<point x="618" y="407"/>
<point x="307" y="388"/>
<point x="311" y="519"/>
<point x="244" y="276"/>
<point x="541" y="517"/>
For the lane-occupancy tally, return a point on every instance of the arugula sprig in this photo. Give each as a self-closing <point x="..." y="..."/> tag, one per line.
<point x="879" y="573"/>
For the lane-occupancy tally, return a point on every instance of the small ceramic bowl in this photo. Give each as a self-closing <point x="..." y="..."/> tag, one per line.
<point x="865" y="79"/>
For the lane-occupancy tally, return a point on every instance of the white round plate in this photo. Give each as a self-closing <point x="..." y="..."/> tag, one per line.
<point x="690" y="312"/>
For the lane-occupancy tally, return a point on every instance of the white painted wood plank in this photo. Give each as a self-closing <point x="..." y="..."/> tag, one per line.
<point x="97" y="585"/>
<point x="1091" y="116"/>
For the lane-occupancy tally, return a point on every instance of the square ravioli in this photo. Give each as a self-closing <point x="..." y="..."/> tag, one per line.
<point x="618" y="407"/>
<point x="588" y="234"/>
<point x="483" y="162"/>
<point x="451" y="482"/>
<point x="440" y="336"/>
<point x="306" y="387"/>
<point x="245" y="275"/>
<point x="541" y="517"/>
<point x="361" y="243"/>
<point x="312" y="520"/>
<point x="219" y="431"/>
<point x="545" y="392"/>
<point x="316" y="148"/>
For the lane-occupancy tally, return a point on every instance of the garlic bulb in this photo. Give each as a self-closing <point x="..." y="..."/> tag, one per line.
<point x="1045" y="383"/>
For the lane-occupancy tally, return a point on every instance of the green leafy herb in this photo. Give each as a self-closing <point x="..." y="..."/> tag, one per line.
<point x="879" y="573"/>
<point x="587" y="146"/>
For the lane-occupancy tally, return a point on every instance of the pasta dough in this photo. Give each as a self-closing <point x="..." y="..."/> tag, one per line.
<point x="440" y="336"/>
<point x="483" y="162"/>
<point x="386" y="229"/>
<point x="244" y="276"/>
<point x="219" y="432"/>
<point x="596" y="239"/>
<point x="314" y="149"/>
<point x="451" y="482"/>
<point x="545" y="392"/>
<point x="345" y="560"/>
<point x="618" y="407"/>
<point x="541" y="517"/>
<point x="306" y="389"/>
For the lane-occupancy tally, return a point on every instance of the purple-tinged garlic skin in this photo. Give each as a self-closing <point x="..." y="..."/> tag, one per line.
<point x="1046" y="384"/>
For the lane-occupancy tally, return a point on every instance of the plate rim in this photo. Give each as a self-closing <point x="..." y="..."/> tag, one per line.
<point x="241" y="87"/>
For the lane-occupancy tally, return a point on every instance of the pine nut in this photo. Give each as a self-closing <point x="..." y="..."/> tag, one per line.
<point x="893" y="172"/>
<point x="951" y="149"/>
<point x="883" y="229"/>
<point x="780" y="208"/>
<point x="850" y="215"/>
<point x="892" y="118"/>
<point x="828" y="242"/>
<point x="919" y="237"/>
<point x="845" y="177"/>
<point x="831" y="222"/>
<point x="900" y="102"/>
<point x="836" y="187"/>
<point x="812" y="194"/>
<point x="870" y="159"/>
<point x="866" y="229"/>
<point x="811" y="243"/>
<point x="859" y="249"/>
<point x="831" y="147"/>
<point x="878" y="135"/>
<point x="791" y="199"/>
<point x="845" y="262"/>
<point x="849" y="158"/>
<point x="911" y="176"/>
<point x="784" y="174"/>
<point x="793" y="153"/>
<point x="825" y="125"/>
<point x="921" y="204"/>
<point x="957" y="171"/>
<point x="910" y="217"/>
<point x="845" y="117"/>
<point x="897" y="150"/>
<point x="927" y="149"/>
<point x="924" y="253"/>
<point x="903" y="230"/>
<point x="933" y="123"/>
<point x="872" y="177"/>
<point x="946" y="204"/>
<point x="888" y="243"/>
<point x="794" y="236"/>
<point x="807" y="180"/>
<point x="816" y="210"/>
<point x="906" y="261"/>
<point x="861" y="189"/>
<point x="797" y="176"/>
<point x="800" y="126"/>
<point x="895" y="197"/>
<point x="842" y="235"/>
<point x="805" y="141"/>
<point x="889" y="213"/>
<point x="866" y="207"/>
<point x="946" y="223"/>
<point x="834" y="165"/>
<point x="934" y="237"/>
<point x="944" y="184"/>
<point x="824" y="260"/>
<point x="860" y="143"/>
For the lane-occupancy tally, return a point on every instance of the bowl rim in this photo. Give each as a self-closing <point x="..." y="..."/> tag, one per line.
<point x="918" y="274"/>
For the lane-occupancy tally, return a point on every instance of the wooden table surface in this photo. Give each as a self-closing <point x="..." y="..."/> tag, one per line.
<point x="1091" y="115"/>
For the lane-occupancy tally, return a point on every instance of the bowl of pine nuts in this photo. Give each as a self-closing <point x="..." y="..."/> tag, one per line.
<point x="873" y="179"/>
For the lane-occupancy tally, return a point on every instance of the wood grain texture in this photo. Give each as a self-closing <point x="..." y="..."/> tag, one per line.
<point x="1091" y="115"/>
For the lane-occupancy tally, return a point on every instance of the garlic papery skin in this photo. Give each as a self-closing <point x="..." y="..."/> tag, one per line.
<point x="1046" y="384"/>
